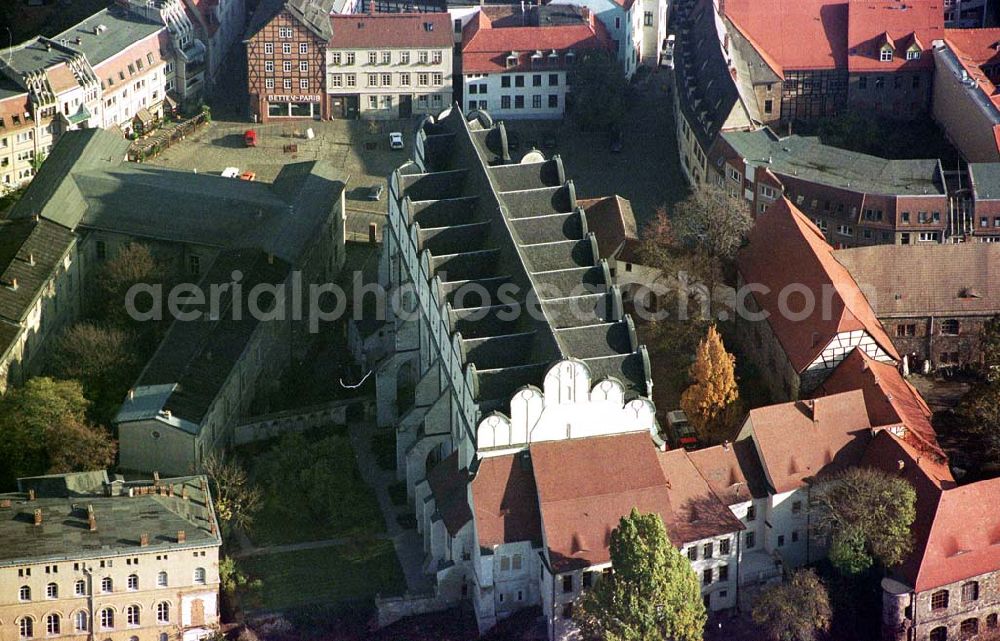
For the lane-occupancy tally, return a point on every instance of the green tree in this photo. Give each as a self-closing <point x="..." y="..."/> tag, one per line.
<point x="103" y="358"/>
<point x="133" y="264"/>
<point x="713" y="390"/>
<point x="599" y="89"/>
<point x="980" y="411"/>
<point x="796" y="610"/>
<point x="237" y="500"/>
<point x="651" y="595"/>
<point x="44" y="430"/>
<point x="237" y="587"/>
<point x="868" y="514"/>
<point x="990" y="346"/>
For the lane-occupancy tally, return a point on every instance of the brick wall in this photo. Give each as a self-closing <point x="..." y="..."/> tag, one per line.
<point x="921" y="338"/>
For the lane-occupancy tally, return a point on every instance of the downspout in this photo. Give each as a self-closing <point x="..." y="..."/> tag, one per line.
<point x="90" y="602"/>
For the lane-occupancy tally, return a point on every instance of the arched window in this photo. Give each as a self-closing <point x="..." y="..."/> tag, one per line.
<point x="51" y="591"/>
<point x="80" y="588"/>
<point x="107" y="584"/>
<point x="132" y="615"/>
<point x="163" y="612"/>
<point x="939" y="634"/>
<point x="52" y="624"/>
<point x="80" y="621"/>
<point x="27" y="627"/>
<point x="24" y="593"/>
<point x="161" y="580"/>
<point x="163" y="636"/>
<point x="199" y="576"/>
<point x="969" y="627"/>
<point x="970" y="591"/>
<point x="133" y="639"/>
<point x="939" y="601"/>
<point x="133" y="582"/>
<point x="991" y="621"/>
<point x="107" y="619"/>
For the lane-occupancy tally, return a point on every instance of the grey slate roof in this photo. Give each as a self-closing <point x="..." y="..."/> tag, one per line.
<point x="808" y="159"/>
<point x="30" y="252"/>
<point x="123" y="28"/>
<point x="121" y="520"/>
<point x="313" y="14"/>
<point x="985" y="179"/>
<point x="490" y="227"/>
<point x="196" y="357"/>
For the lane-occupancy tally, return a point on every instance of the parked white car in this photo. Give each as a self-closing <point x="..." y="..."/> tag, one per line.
<point x="395" y="140"/>
<point x="231" y="172"/>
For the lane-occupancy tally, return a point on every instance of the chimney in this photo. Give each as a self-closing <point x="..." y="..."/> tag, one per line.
<point x="156" y="477"/>
<point x="372" y="233"/>
<point x="725" y="445"/>
<point x="184" y="492"/>
<point x="5" y="503"/>
<point x="900" y="464"/>
<point x="91" y="520"/>
<point x="131" y="394"/>
<point x="13" y="284"/>
<point x="143" y="540"/>
<point x="181" y="536"/>
<point x="31" y="494"/>
<point x="38" y="516"/>
<point x="811" y="406"/>
<point x="31" y="258"/>
<point x="212" y="528"/>
<point x="170" y="490"/>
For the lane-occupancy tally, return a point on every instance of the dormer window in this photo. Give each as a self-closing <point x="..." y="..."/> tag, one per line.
<point x="885" y="54"/>
<point x="512" y="59"/>
<point x="570" y="57"/>
<point x="912" y="53"/>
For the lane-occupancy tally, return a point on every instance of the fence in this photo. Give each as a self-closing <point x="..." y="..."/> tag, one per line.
<point x="300" y="419"/>
<point x="163" y="138"/>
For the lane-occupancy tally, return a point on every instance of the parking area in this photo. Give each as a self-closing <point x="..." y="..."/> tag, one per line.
<point x="360" y="149"/>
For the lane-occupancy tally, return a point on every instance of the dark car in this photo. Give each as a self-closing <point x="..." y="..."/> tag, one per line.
<point x="617" y="141"/>
<point x="375" y="193"/>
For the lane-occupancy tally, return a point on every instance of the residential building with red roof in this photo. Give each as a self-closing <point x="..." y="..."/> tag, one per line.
<point x="799" y="443"/>
<point x="889" y="56"/>
<point x="515" y="65"/>
<point x="937" y="325"/>
<point x="966" y="99"/>
<point x="947" y="588"/>
<point x="798" y="324"/>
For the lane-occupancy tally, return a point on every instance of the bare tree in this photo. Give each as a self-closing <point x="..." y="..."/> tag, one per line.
<point x="237" y="500"/>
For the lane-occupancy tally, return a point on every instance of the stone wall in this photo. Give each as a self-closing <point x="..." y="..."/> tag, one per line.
<point x="300" y="419"/>
<point x="392" y="609"/>
<point x="959" y="610"/>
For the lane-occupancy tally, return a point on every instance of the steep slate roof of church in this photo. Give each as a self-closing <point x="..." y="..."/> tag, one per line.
<point x="803" y="246"/>
<point x="480" y="222"/>
<point x="800" y="440"/>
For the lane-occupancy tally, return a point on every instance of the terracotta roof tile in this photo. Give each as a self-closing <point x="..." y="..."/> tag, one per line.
<point x="388" y="30"/>
<point x="873" y="23"/>
<point x="586" y="485"/>
<point x="780" y="27"/>
<point x="505" y="501"/>
<point x="612" y="222"/>
<point x="895" y="277"/>
<point x="803" y="246"/>
<point x="732" y="471"/>
<point x="804" y="439"/>
<point x="891" y="401"/>
<point x="485" y="46"/>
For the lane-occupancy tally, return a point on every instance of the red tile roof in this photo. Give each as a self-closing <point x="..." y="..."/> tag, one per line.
<point x="975" y="48"/>
<point x="586" y="485"/>
<point x="451" y="497"/>
<point x="61" y="78"/>
<point x="485" y="46"/>
<point x="900" y="23"/>
<point x="505" y="501"/>
<point x="158" y="45"/>
<point x="794" y="35"/>
<point x="803" y="246"/>
<point x="732" y="470"/>
<point x="956" y="536"/>
<point x="611" y="220"/>
<point x="802" y="439"/>
<point x="389" y="30"/>
<point x="891" y="401"/>
<point x="16" y="105"/>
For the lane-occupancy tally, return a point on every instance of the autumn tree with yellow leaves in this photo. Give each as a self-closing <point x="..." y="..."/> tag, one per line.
<point x="709" y="401"/>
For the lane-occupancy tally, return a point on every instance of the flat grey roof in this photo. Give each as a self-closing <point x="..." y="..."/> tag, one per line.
<point x="809" y="159"/>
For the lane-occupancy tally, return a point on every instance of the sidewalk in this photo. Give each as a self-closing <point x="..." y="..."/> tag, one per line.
<point x="408" y="544"/>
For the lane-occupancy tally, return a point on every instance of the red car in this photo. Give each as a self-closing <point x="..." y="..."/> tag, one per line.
<point x="250" y="138"/>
